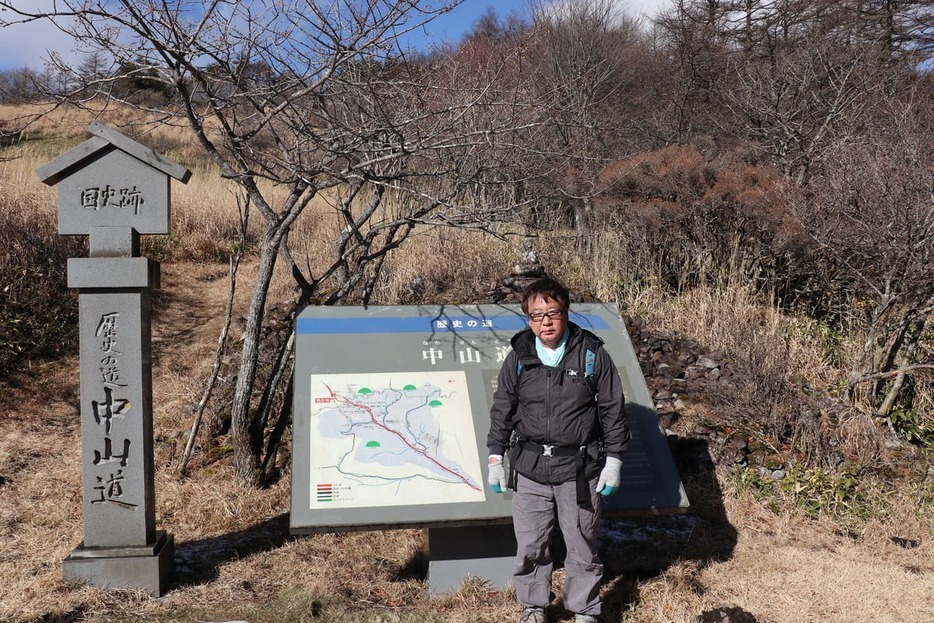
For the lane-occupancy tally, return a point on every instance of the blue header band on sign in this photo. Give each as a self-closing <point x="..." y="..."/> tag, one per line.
<point x="422" y="324"/>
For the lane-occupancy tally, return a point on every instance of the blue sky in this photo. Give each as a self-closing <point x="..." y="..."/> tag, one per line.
<point x="28" y="45"/>
<point x="453" y="25"/>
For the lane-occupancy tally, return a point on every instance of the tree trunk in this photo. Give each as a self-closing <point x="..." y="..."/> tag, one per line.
<point x="905" y="359"/>
<point x="246" y="448"/>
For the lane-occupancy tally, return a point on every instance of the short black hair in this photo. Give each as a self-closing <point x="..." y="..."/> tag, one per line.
<point x="546" y="288"/>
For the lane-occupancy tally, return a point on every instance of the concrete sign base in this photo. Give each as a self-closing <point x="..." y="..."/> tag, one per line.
<point x="485" y="552"/>
<point x="148" y="568"/>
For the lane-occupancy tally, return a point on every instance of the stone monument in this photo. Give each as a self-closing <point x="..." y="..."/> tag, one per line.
<point x="113" y="189"/>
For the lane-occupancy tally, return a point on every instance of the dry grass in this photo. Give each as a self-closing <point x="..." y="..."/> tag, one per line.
<point x="447" y="266"/>
<point x="784" y="366"/>
<point x="238" y="562"/>
<point x="785" y="568"/>
<point x="49" y="129"/>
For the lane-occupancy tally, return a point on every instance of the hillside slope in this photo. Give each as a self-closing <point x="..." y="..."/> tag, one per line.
<point x="731" y="559"/>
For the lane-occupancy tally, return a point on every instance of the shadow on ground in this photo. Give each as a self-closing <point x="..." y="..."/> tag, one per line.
<point x="636" y="549"/>
<point x="198" y="562"/>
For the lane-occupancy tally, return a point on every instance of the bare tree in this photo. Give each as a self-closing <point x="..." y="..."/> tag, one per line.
<point x="805" y="79"/>
<point x="803" y="101"/>
<point x="21" y="85"/>
<point x="905" y="28"/>
<point x="791" y="76"/>
<point x="692" y="34"/>
<point x="871" y="213"/>
<point x="584" y="52"/>
<point x="300" y="101"/>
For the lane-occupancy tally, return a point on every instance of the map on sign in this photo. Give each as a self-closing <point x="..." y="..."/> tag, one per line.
<point x="392" y="439"/>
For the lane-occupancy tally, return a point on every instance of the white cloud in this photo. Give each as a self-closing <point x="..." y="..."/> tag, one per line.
<point x="30" y="44"/>
<point x="646" y="8"/>
<point x="615" y="9"/>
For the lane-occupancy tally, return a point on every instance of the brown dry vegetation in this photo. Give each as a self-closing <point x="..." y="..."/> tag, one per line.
<point x="748" y="549"/>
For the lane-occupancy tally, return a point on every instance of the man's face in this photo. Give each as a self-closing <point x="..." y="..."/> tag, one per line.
<point x="549" y="328"/>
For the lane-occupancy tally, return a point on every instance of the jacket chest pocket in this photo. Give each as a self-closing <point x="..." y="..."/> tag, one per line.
<point x="555" y="389"/>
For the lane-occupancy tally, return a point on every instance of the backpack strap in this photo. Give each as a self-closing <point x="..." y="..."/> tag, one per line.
<point x="589" y="356"/>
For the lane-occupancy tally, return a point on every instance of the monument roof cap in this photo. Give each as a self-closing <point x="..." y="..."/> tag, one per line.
<point x="103" y="139"/>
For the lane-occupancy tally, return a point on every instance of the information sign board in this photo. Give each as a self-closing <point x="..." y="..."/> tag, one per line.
<point x="391" y="413"/>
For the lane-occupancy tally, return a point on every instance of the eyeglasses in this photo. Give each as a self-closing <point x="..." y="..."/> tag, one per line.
<point x="551" y="314"/>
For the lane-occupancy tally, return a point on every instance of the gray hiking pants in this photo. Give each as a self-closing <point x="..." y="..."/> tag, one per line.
<point x="535" y="509"/>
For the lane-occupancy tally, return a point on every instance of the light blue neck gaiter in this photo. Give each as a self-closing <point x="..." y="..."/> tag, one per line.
<point x="551" y="356"/>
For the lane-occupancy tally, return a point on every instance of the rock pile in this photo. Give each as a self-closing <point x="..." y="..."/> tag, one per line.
<point x="679" y="374"/>
<point x="676" y="369"/>
<point x="509" y="290"/>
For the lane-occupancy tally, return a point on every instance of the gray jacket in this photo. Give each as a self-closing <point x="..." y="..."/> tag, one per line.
<point x="556" y="406"/>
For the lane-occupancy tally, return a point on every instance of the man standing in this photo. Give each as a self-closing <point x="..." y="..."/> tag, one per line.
<point x="558" y="408"/>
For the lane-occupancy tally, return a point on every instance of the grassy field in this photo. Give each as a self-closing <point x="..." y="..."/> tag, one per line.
<point x="813" y="548"/>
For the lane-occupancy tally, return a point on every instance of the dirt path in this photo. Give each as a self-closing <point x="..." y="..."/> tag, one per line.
<point x="188" y="316"/>
<point x="188" y="312"/>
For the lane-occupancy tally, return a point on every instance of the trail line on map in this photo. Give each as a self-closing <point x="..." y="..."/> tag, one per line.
<point x="373" y="419"/>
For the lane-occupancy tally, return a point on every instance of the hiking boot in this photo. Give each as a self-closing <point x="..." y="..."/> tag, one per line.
<point x="585" y="618"/>
<point x="532" y="614"/>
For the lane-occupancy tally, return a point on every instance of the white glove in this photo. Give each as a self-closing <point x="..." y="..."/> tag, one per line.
<point x="608" y="482"/>
<point x="497" y="473"/>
